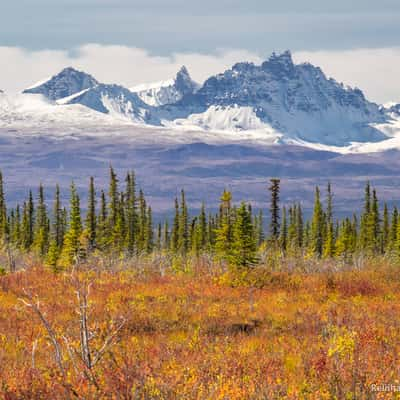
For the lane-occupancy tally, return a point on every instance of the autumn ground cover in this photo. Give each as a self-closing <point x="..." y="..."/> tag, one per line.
<point x="200" y="335"/>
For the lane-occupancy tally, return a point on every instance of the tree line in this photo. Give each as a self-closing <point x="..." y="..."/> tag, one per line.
<point x="120" y="222"/>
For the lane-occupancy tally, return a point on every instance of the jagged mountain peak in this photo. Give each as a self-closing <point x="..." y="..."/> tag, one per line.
<point x="395" y="108"/>
<point x="67" y="82"/>
<point x="167" y="92"/>
<point x="293" y="102"/>
<point x="280" y="65"/>
<point x="183" y="71"/>
<point x="184" y="83"/>
<point x="70" y="70"/>
<point x="297" y="100"/>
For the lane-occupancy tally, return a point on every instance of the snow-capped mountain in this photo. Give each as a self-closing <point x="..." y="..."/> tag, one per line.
<point x="27" y="112"/>
<point x="167" y="92"/>
<point x="298" y="101"/>
<point x="66" y="83"/>
<point x="114" y="100"/>
<point x="277" y="101"/>
<point x="395" y="109"/>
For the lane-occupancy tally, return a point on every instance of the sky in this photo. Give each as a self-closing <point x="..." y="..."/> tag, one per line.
<point x="134" y="41"/>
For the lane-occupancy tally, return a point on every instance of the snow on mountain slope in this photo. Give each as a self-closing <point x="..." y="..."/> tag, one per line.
<point x="114" y="100"/>
<point x="66" y="83"/>
<point x="276" y="101"/>
<point x="230" y="118"/>
<point x="35" y="111"/>
<point x="167" y="92"/>
<point x="296" y="100"/>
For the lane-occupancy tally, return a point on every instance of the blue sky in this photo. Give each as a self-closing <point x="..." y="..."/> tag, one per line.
<point x="134" y="41"/>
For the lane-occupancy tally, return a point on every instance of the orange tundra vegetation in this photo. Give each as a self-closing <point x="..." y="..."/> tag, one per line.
<point x="92" y="334"/>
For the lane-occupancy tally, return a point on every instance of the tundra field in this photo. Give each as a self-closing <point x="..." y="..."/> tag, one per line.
<point x="155" y="331"/>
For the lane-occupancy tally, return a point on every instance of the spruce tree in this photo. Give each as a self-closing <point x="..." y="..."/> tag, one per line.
<point x="243" y="251"/>
<point x="3" y="211"/>
<point x="183" y="233"/>
<point x="149" y="235"/>
<point x="58" y="228"/>
<point x="56" y="233"/>
<point x="292" y="241"/>
<point x="202" y="228"/>
<point x="103" y="237"/>
<point x="283" y="239"/>
<point x="72" y="250"/>
<point x="299" y="225"/>
<point x="274" y="209"/>
<point x="175" y="229"/>
<point x="317" y="226"/>
<point x="166" y="236"/>
<point x="223" y="233"/>
<point x="366" y="220"/>
<point x="53" y="255"/>
<point x="113" y="199"/>
<point x="91" y="217"/>
<point x="329" y="238"/>
<point x="373" y="231"/>
<point x="143" y="223"/>
<point x="344" y="241"/>
<point x="159" y="237"/>
<point x="41" y="239"/>
<point x="131" y="213"/>
<point x="16" y="232"/>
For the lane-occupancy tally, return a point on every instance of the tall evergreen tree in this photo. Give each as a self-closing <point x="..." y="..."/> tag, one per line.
<point x="103" y="232"/>
<point x="16" y="232"/>
<point x="223" y="233"/>
<point x="329" y="239"/>
<point x="41" y="239"/>
<point x="166" y="236"/>
<point x="175" y="229"/>
<point x="143" y="223"/>
<point x="159" y="237"/>
<point x="91" y="218"/>
<point x="58" y="229"/>
<point x="3" y="210"/>
<point x="131" y="212"/>
<point x="365" y="222"/>
<point x="274" y="209"/>
<point x="72" y="250"/>
<point x="243" y="252"/>
<point x="183" y="241"/>
<point x="203" y="228"/>
<point x="317" y="225"/>
<point x="373" y="231"/>
<point x="149" y="235"/>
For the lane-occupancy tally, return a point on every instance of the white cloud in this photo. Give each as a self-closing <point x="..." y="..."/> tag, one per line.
<point x="127" y="66"/>
<point x="375" y="71"/>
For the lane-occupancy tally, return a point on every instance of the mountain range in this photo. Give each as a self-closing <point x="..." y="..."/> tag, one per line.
<point x="275" y="102"/>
